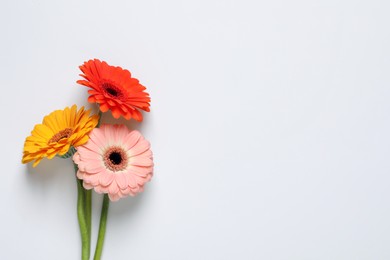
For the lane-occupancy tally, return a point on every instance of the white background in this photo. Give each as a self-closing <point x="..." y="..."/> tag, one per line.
<point x="269" y="124"/>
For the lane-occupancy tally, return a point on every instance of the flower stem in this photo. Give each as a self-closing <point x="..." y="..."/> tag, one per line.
<point x="88" y="213"/>
<point x="100" y="118"/>
<point x="82" y="217"/>
<point x="102" y="228"/>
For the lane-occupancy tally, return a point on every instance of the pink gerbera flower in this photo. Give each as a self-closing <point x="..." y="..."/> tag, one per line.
<point x="115" y="161"/>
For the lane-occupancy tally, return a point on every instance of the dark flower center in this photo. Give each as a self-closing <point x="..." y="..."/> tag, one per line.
<point x="115" y="159"/>
<point x="66" y="133"/>
<point x="111" y="90"/>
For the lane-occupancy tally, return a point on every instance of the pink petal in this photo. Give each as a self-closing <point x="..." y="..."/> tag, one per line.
<point x="121" y="131"/>
<point x="113" y="188"/>
<point x="86" y="154"/>
<point x="125" y="191"/>
<point x="139" y="148"/>
<point x="135" y="190"/>
<point x="109" y="134"/>
<point x="141" y="161"/>
<point x="98" y="138"/>
<point x="106" y="178"/>
<point x="131" y="181"/>
<point x="87" y="186"/>
<point x="100" y="189"/>
<point x="93" y="166"/>
<point x="113" y="197"/>
<point x="80" y="174"/>
<point x="92" y="179"/>
<point x="121" y="180"/>
<point x="140" y="180"/>
<point x="76" y="158"/>
<point x="90" y="145"/>
<point x="121" y="195"/>
<point x="148" y="177"/>
<point x="138" y="170"/>
<point x="131" y="139"/>
<point x="147" y="153"/>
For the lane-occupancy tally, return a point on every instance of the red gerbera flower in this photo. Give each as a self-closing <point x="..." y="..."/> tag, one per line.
<point x="114" y="89"/>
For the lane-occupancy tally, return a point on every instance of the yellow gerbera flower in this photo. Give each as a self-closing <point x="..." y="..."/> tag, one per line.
<point x="59" y="131"/>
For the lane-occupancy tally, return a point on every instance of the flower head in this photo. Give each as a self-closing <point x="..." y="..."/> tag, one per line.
<point x="115" y="160"/>
<point x="59" y="131"/>
<point x="114" y="89"/>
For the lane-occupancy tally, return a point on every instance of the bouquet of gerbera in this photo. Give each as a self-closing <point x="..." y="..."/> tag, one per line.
<point x="111" y="159"/>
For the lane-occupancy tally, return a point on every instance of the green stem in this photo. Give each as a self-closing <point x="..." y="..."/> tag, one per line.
<point x="102" y="228"/>
<point x="85" y="242"/>
<point x="88" y="212"/>
<point x="100" y="118"/>
<point x="82" y="217"/>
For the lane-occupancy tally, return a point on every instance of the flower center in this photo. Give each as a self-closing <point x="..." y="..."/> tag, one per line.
<point x="66" y="133"/>
<point x="115" y="159"/>
<point x="111" y="90"/>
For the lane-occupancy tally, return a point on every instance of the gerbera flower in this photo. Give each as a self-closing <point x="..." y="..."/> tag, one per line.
<point x="115" y="160"/>
<point x="114" y="89"/>
<point x="59" y="131"/>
